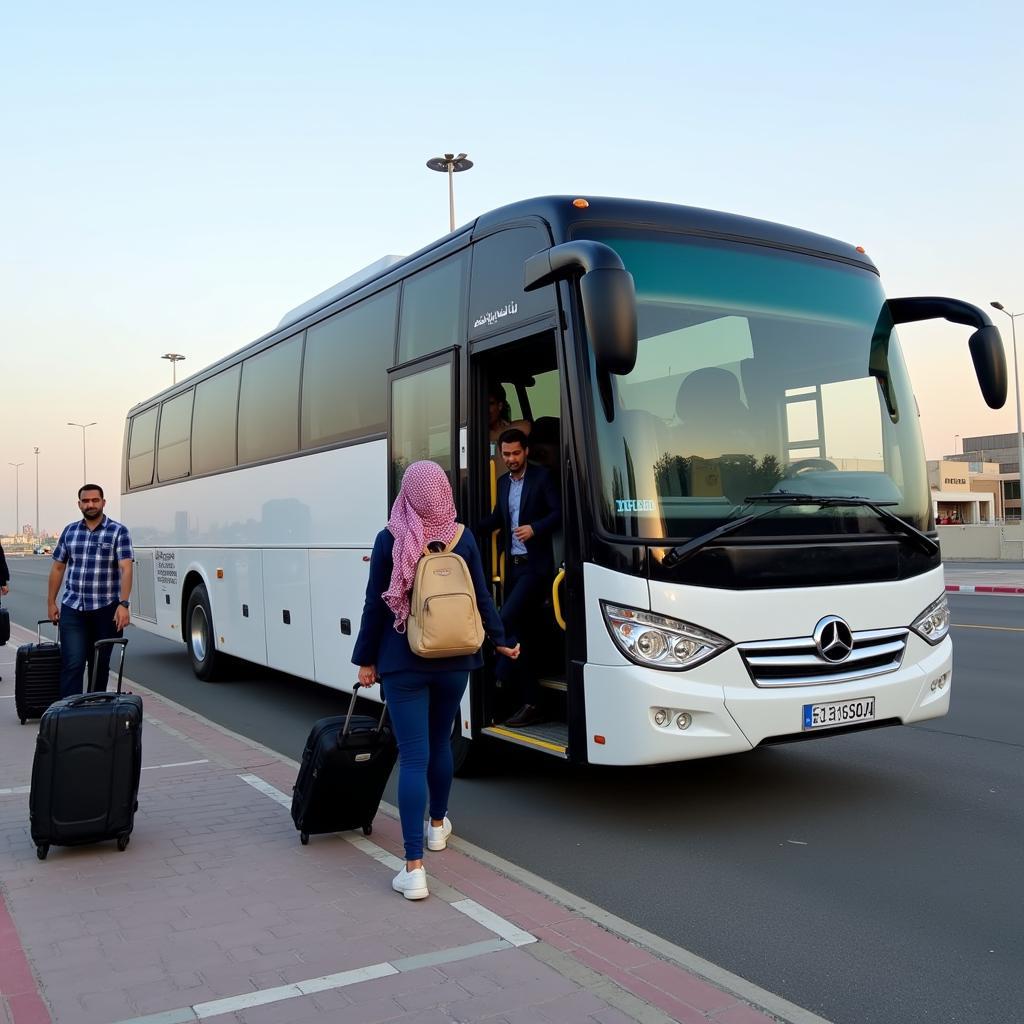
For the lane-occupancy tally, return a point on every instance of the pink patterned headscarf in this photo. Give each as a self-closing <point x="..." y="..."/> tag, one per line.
<point x="423" y="511"/>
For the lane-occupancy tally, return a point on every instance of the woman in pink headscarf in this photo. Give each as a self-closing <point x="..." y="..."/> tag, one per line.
<point x="423" y="695"/>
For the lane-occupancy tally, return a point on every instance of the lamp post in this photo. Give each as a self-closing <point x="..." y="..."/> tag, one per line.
<point x="38" y="531"/>
<point x="85" y="477"/>
<point x="1016" y="391"/>
<point x="175" y="358"/>
<point x="17" y="497"/>
<point x="956" y="438"/>
<point x="451" y="164"/>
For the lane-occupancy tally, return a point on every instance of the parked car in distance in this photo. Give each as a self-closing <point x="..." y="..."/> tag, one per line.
<point x="40" y="550"/>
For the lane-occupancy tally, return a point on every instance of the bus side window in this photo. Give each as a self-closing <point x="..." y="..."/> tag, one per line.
<point x="140" y="449"/>
<point x="214" y="417"/>
<point x="433" y="305"/>
<point x="173" y="458"/>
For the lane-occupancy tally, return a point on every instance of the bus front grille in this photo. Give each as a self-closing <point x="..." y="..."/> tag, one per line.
<point x="797" y="662"/>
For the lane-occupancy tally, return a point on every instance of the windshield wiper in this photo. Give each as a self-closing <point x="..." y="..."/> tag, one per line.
<point x="926" y="543"/>
<point x="786" y="499"/>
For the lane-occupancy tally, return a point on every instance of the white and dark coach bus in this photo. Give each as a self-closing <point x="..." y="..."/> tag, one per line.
<point x="748" y="553"/>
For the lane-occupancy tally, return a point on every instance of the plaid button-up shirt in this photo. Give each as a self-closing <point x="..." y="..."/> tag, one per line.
<point x="93" y="577"/>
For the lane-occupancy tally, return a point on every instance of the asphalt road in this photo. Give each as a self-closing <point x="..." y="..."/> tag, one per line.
<point x="873" y="878"/>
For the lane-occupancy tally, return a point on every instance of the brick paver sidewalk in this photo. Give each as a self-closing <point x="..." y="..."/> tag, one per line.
<point x="216" y="912"/>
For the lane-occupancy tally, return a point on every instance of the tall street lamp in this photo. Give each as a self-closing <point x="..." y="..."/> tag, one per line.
<point x="17" y="496"/>
<point x="1016" y="389"/>
<point x="451" y="164"/>
<point x="38" y="531"/>
<point x="175" y="358"/>
<point x="85" y="477"/>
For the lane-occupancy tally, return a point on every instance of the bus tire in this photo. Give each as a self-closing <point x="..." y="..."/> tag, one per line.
<point x="469" y="757"/>
<point x="199" y="636"/>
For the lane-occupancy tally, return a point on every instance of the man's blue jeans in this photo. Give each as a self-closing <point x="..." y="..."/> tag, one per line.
<point x="79" y="631"/>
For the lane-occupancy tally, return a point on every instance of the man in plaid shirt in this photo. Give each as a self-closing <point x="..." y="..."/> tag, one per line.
<point x="96" y="556"/>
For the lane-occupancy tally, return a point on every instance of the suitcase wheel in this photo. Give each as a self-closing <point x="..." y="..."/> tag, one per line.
<point x="122" y="842"/>
<point x="42" y="850"/>
<point x="367" y="830"/>
<point x="304" y="838"/>
<point x="136" y="807"/>
<point x="24" y="720"/>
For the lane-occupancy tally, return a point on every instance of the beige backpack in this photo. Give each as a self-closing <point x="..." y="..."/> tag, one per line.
<point x="444" y="621"/>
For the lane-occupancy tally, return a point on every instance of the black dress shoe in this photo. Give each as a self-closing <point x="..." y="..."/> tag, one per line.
<point x="528" y="714"/>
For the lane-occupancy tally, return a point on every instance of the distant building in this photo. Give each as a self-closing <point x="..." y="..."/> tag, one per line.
<point x="1002" y="450"/>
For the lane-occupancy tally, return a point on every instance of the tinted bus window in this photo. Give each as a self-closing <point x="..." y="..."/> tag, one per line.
<point x="213" y="422"/>
<point x="268" y="405"/>
<point x="172" y="459"/>
<point x="497" y="300"/>
<point x="344" y="377"/>
<point x="140" y="449"/>
<point x="421" y="427"/>
<point x="433" y="302"/>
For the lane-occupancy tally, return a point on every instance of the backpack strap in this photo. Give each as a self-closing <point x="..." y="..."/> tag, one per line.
<point x="455" y="540"/>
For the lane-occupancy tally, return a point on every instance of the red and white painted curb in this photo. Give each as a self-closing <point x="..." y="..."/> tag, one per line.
<point x="960" y="589"/>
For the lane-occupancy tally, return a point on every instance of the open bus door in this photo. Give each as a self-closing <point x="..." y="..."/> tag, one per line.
<point x="528" y="374"/>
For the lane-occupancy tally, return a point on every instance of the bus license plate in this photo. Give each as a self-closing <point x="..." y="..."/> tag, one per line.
<point x="840" y="712"/>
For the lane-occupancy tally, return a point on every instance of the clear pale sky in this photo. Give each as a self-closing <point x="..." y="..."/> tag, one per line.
<point x="176" y="177"/>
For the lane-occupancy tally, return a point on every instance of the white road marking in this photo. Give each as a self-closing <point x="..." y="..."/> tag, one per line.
<point x="174" y="764"/>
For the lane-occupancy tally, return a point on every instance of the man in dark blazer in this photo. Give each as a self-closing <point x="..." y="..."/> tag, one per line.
<point x="527" y="513"/>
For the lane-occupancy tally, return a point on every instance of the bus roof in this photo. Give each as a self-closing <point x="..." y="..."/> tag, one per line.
<point x="563" y="218"/>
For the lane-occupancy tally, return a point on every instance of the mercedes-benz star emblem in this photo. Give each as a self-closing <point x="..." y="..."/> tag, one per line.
<point x="833" y="638"/>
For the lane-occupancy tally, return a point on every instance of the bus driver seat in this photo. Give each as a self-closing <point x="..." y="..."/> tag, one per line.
<point x="713" y="419"/>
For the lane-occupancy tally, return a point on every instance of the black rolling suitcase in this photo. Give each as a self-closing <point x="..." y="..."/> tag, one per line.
<point x="345" y="767"/>
<point x="37" y="675"/>
<point x="85" y="776"/>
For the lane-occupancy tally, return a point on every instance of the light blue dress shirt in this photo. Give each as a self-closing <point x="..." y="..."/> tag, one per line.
<point x="515" y="494"/>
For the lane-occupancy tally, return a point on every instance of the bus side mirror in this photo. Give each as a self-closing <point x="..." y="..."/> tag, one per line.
<point x="986" y="345"/>
<point x="607" y="296"/>
<point x="990" y="364"/>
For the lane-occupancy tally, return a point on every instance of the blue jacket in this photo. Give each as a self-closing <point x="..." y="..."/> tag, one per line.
<point x="378" y="643"/>
<point x="539" y="507"/>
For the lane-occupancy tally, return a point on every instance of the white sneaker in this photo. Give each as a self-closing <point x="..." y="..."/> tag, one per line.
<point x="437" y="837"/>
<point x="411" y="884"/>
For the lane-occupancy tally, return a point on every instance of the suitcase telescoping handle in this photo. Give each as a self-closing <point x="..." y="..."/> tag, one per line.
<point x="101" y="696"/>
<point x="352" y="707"/>
<point x="46" y="622"/>
<point x="119" y="641"/>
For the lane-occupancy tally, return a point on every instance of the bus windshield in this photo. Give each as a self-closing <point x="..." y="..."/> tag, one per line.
<point x="759" y="371"/>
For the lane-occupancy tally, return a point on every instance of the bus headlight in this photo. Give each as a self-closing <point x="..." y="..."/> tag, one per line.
<point x="932" y="624"/>
<point x="658" y="641"/>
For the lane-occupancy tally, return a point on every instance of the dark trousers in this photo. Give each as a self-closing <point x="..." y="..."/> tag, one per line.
<point x="523" y="597"/>
<point x="79" y="631"/>
<point x="422" y="707"/>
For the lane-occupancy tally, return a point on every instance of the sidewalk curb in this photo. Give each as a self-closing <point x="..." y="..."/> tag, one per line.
<point x="958" y="588"/>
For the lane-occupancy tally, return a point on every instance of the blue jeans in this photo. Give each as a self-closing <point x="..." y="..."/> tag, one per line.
<point x="78" y="632"/>
<point x="422" y="706"/>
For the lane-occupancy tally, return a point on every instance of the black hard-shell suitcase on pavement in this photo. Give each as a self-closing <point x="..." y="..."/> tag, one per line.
<point x="345" y="767"/>
<point x="37" y="675"/>
<point x="85" y="776"/>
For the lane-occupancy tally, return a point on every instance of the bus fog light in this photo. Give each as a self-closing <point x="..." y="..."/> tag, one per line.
<point x="683" y="720"/>
<point x="660" y="716"/>
<point x="940" y="682"/>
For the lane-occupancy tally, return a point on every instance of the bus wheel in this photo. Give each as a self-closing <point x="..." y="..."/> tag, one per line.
<point x="206" y="662"/>
<point x="469" y="757"/>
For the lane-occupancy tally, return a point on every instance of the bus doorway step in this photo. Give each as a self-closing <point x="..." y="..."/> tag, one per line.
<point x="548" y="737"/>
